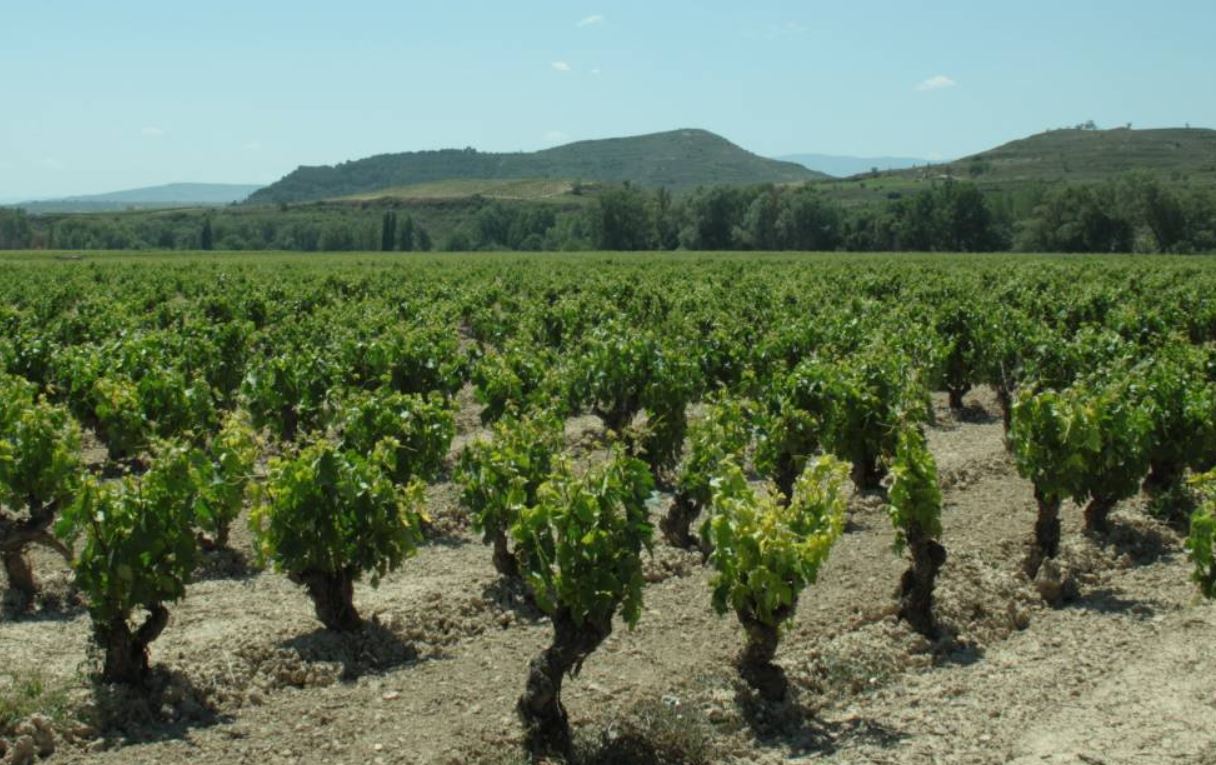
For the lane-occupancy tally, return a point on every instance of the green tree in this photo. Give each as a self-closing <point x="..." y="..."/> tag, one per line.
<point x="622" y="220"/>
<point x="205" y="237"/>
<point x="422" y="240"/>
<point x="388" y="232"/>
<point x="407" y="234"/>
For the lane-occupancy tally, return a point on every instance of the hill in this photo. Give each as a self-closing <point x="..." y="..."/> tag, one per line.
<point x="840" y="166"/>
<point x="152" y="197"/>
<point x="1093" y="155"/>
<point x="678" y="159"/>
<point x="1185" y="156"/>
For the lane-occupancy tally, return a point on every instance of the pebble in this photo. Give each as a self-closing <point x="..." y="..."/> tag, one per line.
<point x="21" y="752"/>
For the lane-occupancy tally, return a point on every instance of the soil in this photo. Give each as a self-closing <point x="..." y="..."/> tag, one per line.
<point x="1118" y="671"/>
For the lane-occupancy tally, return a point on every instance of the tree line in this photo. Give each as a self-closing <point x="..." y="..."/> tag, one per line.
<point x="1131" y="214"/>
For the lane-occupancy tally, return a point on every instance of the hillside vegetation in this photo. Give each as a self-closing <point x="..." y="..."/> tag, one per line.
<point x="1178" y="156"/>
<point x="529" y="189"/>
<point x="676" y="159"/>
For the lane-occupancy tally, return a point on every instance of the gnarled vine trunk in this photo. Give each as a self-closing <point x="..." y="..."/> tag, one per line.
<point x="291" y="423"/>
<point x="332" y="598"/>
<point x="755" y="661"/>
<point x="126" y="652"/>
<point x="1162" y="476"/>
<point x="866" y="473"/>
<point x="956" y="396"/>
<point x="546" y="725"/>
<point x="1046" y="533"/>
<point x="504" y="561"/>
<point x="785" y="474"/>
<point x="676" y="524"/>
<point x="618" y="417"/>
<point x="1004" y="395"/>
<point x="20" y="578"/>
<point x="916" y="586"/>
<point x="1097" y="515"/>
<point x="15" y="538"/>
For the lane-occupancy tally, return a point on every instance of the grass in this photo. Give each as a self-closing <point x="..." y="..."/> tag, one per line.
<point x="30" y="693"/>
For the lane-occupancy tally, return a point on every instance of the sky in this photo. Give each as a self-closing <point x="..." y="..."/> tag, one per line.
<point x="102" y="96"/>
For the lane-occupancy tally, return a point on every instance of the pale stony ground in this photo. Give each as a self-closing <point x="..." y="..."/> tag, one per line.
<point x="1122" y="675"/>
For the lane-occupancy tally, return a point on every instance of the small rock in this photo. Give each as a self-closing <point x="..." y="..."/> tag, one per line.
<point x="391" y="696"/>
<point x="1055" y="583"/>
<point x="43" y="734"/>
<point x="21" y="752"/>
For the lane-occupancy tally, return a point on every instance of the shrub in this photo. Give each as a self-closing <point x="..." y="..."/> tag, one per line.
<point x="580" y="548"/>
<point x="329" y="516"/>
<point x="765" y="553"/>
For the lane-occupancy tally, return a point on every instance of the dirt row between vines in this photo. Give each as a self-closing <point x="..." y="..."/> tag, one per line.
<point x="1121" y="674"/>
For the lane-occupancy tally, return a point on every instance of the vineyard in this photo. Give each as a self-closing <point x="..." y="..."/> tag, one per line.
<point x="607" y="508"/>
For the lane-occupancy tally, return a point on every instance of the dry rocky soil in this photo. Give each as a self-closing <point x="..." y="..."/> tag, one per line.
<point x="1122" y="671"/>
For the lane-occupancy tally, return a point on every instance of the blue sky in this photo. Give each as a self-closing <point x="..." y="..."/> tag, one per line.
<point x="100" y="96"/>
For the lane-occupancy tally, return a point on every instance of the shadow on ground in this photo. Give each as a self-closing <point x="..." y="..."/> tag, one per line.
<point x="372" y="649"/>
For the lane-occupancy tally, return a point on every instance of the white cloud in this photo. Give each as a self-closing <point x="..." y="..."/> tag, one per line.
<point x="788" y="29"/>
<point x="560" y="66"/>
<point x="595" y="70"/>
<point x="152" y="132"/>
<point x="591" y="21"/>
<point x="252" y="146"/>
<point x="939" y="82"/>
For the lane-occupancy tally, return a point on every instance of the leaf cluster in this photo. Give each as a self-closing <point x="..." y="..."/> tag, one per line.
<point x="501" y="476"/>
<point x="580" y="545"/>
<point x="765" y="553"/>
<point x="915" y="497"/>
<point x="137" y="547"/>
<point x="417" y="429"/>
<point x="332" y="510"/>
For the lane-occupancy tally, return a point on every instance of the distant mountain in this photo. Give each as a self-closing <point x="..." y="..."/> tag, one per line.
<point x="169" y="195"/>
<point x="677" y="159"/>
<point x="844" y="166"/>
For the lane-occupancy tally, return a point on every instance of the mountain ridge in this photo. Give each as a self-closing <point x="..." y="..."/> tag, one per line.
<point x="147" y="197"/>
<point x="677" y="159"/>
